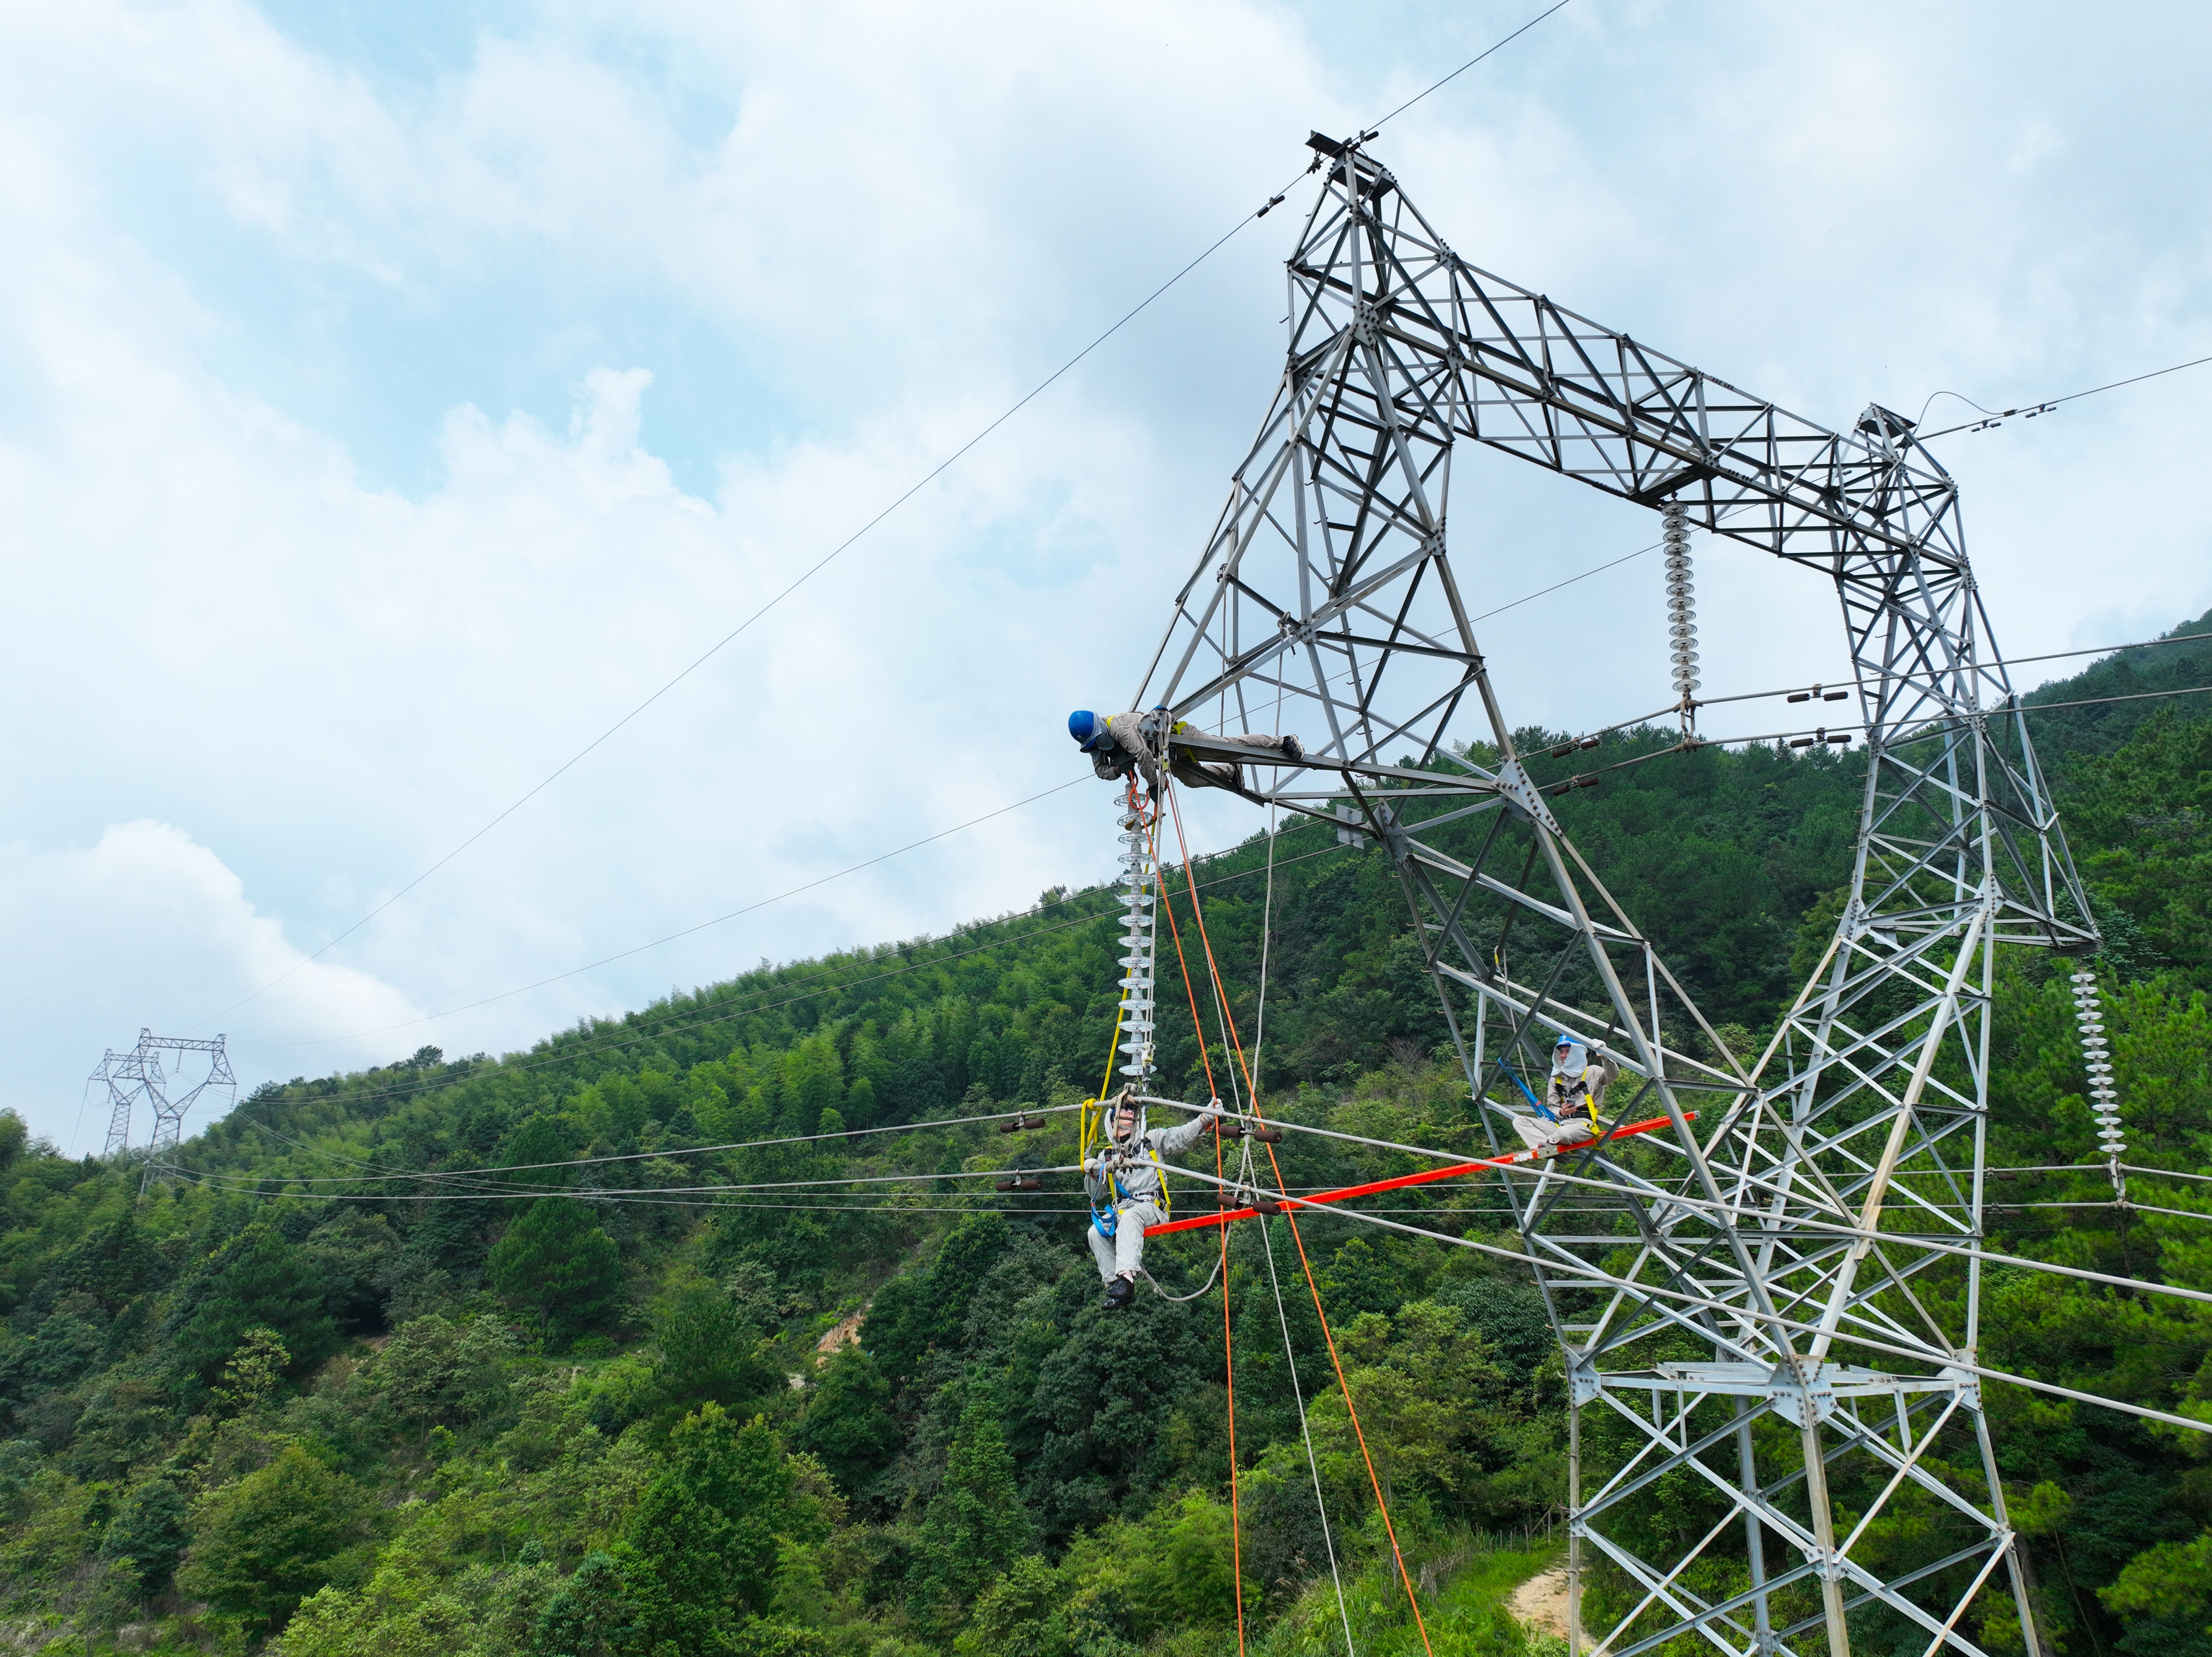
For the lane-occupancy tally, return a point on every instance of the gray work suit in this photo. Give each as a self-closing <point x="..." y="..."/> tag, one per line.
<point x="1137" y="1203"/>
<point x="1129" y="748"/>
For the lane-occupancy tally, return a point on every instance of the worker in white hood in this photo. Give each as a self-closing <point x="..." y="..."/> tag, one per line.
<point x="1568" y="1112"/>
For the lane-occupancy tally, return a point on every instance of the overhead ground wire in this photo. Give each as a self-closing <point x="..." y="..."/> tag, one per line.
<point x="1990" y="415"/>
<point x="1496" y="46"/>
<point x="714" y="649"/>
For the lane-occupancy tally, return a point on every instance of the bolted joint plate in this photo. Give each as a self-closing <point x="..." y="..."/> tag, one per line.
<point x="1522" y="796"/>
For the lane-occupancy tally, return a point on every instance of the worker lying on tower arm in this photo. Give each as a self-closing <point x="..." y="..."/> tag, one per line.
<point x="1567" y="1113"/>
<point x="1119" y="744"/>
<point x="1123" y="1183"/>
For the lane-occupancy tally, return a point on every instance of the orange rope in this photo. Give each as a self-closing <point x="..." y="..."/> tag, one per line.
<point x="1343" y="1386"/>
<point x="1229" y="1364"/>
<point x="1221" y="1199"/>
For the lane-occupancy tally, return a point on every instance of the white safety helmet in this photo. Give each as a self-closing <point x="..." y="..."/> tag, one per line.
<point x="1568" y="1057"/>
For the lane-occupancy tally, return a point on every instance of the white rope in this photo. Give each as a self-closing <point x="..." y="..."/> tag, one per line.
<point x="1194" y="1293"/>
<point x="1313" y="1463"/>
<point x="1266" y="921"/>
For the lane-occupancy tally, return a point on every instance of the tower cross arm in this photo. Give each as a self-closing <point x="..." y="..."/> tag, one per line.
<point x="1522" y="375"/>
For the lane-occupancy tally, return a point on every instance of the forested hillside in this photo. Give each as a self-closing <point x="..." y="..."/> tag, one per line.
<point x="482" y="1356"/>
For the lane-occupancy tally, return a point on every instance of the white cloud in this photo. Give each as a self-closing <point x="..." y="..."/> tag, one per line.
<point x="146" y="917"/>
<point x="823" y="247"/>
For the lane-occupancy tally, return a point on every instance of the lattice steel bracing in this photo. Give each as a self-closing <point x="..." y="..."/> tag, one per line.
<point x="138" y="1075"/>
<point x="1775" y="1297"/>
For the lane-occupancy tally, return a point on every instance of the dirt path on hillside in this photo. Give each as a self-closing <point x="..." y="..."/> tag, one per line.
<point x="1541" y="1602"/>
<point x="845" y="1334"/>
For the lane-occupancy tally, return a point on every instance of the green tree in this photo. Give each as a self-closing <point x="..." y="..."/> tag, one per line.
<point x="594" y="1614"/>
<point x="813" y="1078"/>
<point x="253" y="1374"/>
<point x="708" y="1525"/>
<point x="256" y="1280"/>
<point x="974" y="1525"/>
<point x="848" y="1423"/>
<point x="265" y="1544"/>
<point x="149" y="1529"/>
<point x="350" y="1255"/>
<point x="557" y="1261"/>
<point x="2166" y="1597"/>
<point x="709" y="1350"/>
<point x="541" y="1140"/>
<point x="2144" y="810"/>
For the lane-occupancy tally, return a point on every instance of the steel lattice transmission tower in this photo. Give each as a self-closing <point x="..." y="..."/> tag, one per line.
<point x="138" y="1074"/>
<point x="1744" y="1302"/>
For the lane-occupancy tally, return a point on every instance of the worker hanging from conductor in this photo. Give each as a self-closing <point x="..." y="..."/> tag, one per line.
<point x="1124" y="1185"/>
<point x="1568" y="1112"/>
<point x="1119" y="744"/>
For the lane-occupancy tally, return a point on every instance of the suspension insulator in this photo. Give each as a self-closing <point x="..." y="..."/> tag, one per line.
<point x="1681" y="610"/>
<point x="1138" y="939"/>
<point x="2096" y="1060"/>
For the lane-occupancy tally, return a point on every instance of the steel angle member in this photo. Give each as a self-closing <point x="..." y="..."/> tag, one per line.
<point x="1430" y="858"/>
<point x="1742" y="1379"/>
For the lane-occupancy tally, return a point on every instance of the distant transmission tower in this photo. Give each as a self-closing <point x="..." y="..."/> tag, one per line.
<point x="1784" y="1292"/>
<point x="138" y="1073"/>
<point x="126" y="1079"/>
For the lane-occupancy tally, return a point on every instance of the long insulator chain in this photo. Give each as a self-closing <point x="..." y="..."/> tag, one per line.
<point x="1681" y="613"/>
<point x="2104" y="1098"/>
<point x="1139" y="875"/>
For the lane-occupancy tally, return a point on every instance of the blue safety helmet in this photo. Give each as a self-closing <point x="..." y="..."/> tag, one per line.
<point x="1087" y="728"/>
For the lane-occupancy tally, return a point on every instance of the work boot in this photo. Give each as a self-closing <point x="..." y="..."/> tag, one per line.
<point x="1118" y="1292"/>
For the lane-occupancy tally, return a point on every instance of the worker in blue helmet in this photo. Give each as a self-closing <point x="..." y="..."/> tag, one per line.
<point x="1568" y="1112"/>
<point x="1119" y="744"/>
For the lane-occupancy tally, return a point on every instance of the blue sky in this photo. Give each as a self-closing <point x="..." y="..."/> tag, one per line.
<point x="392" y="397"/>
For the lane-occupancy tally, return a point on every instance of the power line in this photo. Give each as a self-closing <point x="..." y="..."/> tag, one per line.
<point x="1466" y="66"/>
<point x="569" y="1054"/>
<point x="823" y="563"/>
<point x="1583" y="778"/>
<point x="2108" y="649"/>
<point x="1595" y="569"/>
<point x="1991" y="416"/>
<point x="671" y="937"/>
<point x="691" y="1151"/>
<point x="713" y="650"/>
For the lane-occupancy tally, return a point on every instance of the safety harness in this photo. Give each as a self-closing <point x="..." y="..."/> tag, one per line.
<point x="1107" y="1219"/>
